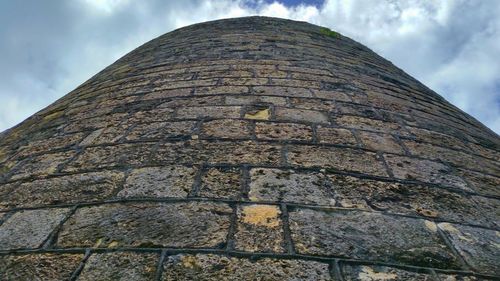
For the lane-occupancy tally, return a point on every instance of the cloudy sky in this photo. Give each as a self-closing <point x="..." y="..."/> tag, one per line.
<point x="48" y="48"/>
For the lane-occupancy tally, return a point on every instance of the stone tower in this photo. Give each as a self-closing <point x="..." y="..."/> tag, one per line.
<point x="250" y="149"/>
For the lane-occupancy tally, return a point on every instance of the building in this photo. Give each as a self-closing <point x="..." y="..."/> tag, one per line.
<point x="250" y="149"/>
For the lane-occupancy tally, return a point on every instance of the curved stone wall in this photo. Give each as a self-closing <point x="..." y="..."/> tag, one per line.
<point x="250" y="149"/>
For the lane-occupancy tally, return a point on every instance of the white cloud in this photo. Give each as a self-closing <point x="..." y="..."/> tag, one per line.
<point x="49" y="49"/>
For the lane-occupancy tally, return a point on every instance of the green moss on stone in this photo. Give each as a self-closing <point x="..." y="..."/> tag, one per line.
<point x="328" y="32"/>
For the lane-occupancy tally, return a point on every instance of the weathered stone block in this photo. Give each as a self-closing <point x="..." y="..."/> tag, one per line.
<point x="65" y="189"/>
<point x="208" y="112"/>
<point x="335" y="136"/>
<point x="221" y="90"/>
<point x="283" y="131"/>
<point x="477" y="246"/>
<point x="168" y="181"/>
<point x="42" y="165"/>
<point x="159" y="114"/>
<point x="161" y="130"/>
<point x="301" y="115"/>
<point x="345" y="159"/>
<point x="312" y="104"/>
<point x="45" y="145"/>
<point x="30" y="228"/>
<point x="428" y="136"/>
<point x="332" y="95"/>
<point x="362" y="123"/>
<point x="143" y="225"/>
<point x="212" y="267"/>
<point x="120" y="266"/>
<point x="259" y="229"/>
<point x="456" y="158"/>
<point x="423" y="170"/>
<point x="380" y="273"/>
<point x="43" y="266"/>
<point x="247" y="152"/>
<point x="481" y="183"/>
<point x="226" y="128"/>
<point x="249" y="100"/>
<point x="221" y="183"/>
<point x="274" y="185"/>
<point x="110" y="156"/>
<point x="282" y="91"/>
<point x="370" y="236"/>
<point x="407" y="199"/>
<point x="380" y="142"/>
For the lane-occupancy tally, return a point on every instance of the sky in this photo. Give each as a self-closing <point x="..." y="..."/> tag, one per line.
<point x="48" y="48"/>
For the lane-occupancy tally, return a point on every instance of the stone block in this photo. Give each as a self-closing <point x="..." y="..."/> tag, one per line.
<point x="362" y="123"/>
<point x="312" y="104"/>
<point x="110" y="156"/>
<point x="275" y="185"/>
<point x="168" y="181"/>
<point x="482" y="183"/>
<point x="63" y="190"/>
<point x="120" y="266"/>
<point x="161" y="130"/>
<point x="145" y="225"/>
<point x="433" y="137"/>
<point x="259" y="229"/>
<point x="282" y="91"/>
<point x="246" y="152"/>
<point x="249" y="100"/>
<point x="46" y="145"/>
<point x="380" y="273"/>
<point x="370" y="236"/>
<point x="380" y="142"/>
<point x="477" y="246"/>
<point x="408" y="199"/>
<point x="30" y="228"/>
<point x="423" y="170"/>
<point x="283" y="131"/>
<point x="301" y="115"/>
<point x="335" y="136"/>
<point x="42" y="165"/>
<point x="218" y="90"/>
<point x="208" y="112"/>
<point x="344" y="159"/>
<point x="221" y="183"/>
<point x="226" y="128"/>
<point x="42" y="266"/>
<point x="214" y="267"/>
<point x="332" y="95"/>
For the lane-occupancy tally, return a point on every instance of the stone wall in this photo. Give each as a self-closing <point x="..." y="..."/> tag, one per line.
<point x="250" y="149"/>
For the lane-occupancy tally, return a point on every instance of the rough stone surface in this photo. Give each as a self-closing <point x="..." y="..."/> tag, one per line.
<point x="30" y="228"/>
<point x="478" y="247"/>
<point x="120" y="266"/>
<point x="343" y="159"/>
<point x="259" y="229"/>
<point x="336" y="136"/>
<point x="283" y="131"/>
<point x="379" y="273"/>
<point x="423" y="170"/>
<point x="172" y="181"/>
<point x="65" y="189"/>
<point x="29" y="267"/>
<point x="221" y="183"/>
<point x="212" y="267"/>
<point x="425" y="201"/>
<point x="271" y="144"/>
<point x="371" y="236"/>
<point x="274" y="185"/>
<point x="147" y="225"/>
